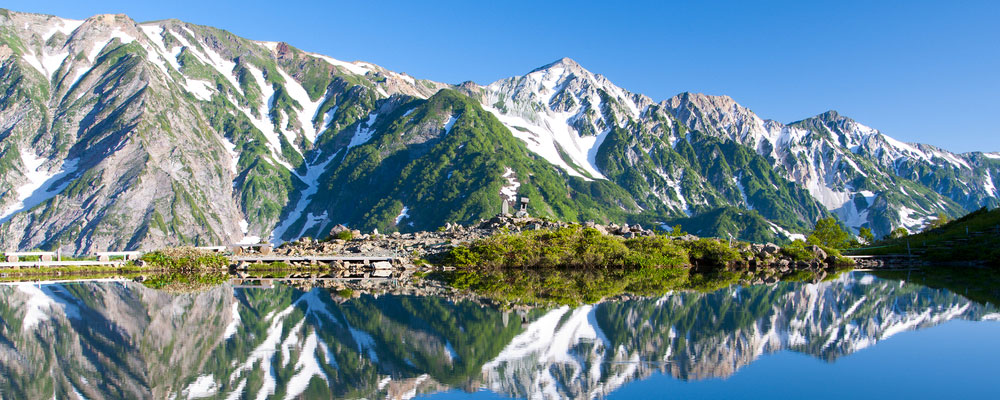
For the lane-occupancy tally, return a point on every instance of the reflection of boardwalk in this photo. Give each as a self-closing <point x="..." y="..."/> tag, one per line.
<point x="267" y="283"/>
<point x="885" y="261"/>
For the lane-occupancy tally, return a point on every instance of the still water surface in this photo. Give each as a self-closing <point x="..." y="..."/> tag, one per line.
<point x="854" y="337"/>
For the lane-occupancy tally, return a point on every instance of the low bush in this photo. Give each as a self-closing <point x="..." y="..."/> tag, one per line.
<point x="185" y="259"/>
<point x="710" y="252"/>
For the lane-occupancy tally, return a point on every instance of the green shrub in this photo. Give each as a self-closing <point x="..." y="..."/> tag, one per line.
<point x="654" y="251"/>
<point x="567" y="247"/>
<point x="185" y="259"/>
<point x="711" y="252"/>
<point x="797" y="251"/>
<point x="344" y="235"/>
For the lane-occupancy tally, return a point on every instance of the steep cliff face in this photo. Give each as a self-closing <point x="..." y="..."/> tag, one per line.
<point x="116" y="134"/>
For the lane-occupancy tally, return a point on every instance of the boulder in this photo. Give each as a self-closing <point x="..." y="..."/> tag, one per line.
<point x="771" y="248"/>
<point x="817" y="252"/>
<point x="601" y="229"/>
<point x="686" y="238"/>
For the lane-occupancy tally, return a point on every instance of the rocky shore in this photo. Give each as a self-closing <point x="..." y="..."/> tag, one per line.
<point x="768" y="261"/>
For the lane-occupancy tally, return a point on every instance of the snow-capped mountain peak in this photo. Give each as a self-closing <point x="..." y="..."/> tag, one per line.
<point x="563" y="112"/>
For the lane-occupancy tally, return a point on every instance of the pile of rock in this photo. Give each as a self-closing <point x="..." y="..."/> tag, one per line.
<point x="763" y="259"/>
<point x="768" y="263"/>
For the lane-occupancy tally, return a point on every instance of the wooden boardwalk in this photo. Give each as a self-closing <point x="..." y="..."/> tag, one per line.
<point x="364" y="260"/>
<point x="103" y="259"/>
<point x="40" y="264"/>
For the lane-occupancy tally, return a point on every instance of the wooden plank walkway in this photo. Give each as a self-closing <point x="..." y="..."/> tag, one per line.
<point x="37" y="264"/>
<point x="366" y="260"/>
<point x="864" y="257"/>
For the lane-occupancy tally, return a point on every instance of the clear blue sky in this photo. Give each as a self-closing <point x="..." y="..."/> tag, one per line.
<point x="920" y="71"/>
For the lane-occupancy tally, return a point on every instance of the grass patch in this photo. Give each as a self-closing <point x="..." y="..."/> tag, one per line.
<point x="974" y="237"/>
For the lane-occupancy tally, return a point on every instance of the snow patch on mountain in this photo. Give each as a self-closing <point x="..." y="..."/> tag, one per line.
<point x="509" y="191"/>
<point x="784" y="232"/>
<point x="541" y="141"/>
<point x="234" y="157"/>
<point x="262" y="122"/>
<point x="911" y="219"/>
<point x="988" y="186"/>
<point x="51" y="62"/>
<point x="66" y="26"/>
<point x="311" y="221"/>
<point x="155" y="35"/>
<point x="202" y="90"/>
<point x="365" y="342"/>
<point x="213" y="59"/>
<point x="743" y="192"/>
<point x="203" y="386"/>
<point x="448" y="124"/>
<point x="309" y="107"/>
<point x="404" y="213"/>
<point x="910" y="321"/>
<point x="350" y="67"/>
<point x="40" y="185"/>
<point x="311" y="179"/>
<point x="551" y="337"/>
<point x="364" y="132"/>
<point x="450" y="351"/>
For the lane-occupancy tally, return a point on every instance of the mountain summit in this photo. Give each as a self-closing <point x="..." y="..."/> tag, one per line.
<point x="123" y="135"/>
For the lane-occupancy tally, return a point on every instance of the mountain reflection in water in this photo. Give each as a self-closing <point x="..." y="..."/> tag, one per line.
<point x="122" y="339"/>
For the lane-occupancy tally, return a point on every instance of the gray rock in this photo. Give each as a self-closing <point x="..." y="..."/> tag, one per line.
<point x="771" y="248"/>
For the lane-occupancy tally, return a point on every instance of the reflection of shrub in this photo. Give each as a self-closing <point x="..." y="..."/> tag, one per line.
<point x="185" y="282"/>
<point x="576" y="286"/>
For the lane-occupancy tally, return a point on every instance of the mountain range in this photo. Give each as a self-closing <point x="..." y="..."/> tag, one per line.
<point x="116" y="134"/>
